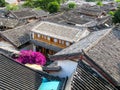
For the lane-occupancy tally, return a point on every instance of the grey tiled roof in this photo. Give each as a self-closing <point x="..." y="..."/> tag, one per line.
<point x="41" y="13"/>
<point x="8" y="22"/>
<point x="70" y="18"/>
<point x="23" y="14"/>
<point x="109" y="7"/>
<point x="60" y="31"/>
<point x="20" y="35"/>
<point x="7" y="48"/>
<point x="13" y="76"/>
<point x="86" y="78"/>
<point x="92" y="11"/>
<point x="78" y="20"/>
<point x="107" y="54"/>
<point x="85" y="43"/>
<point x="106" y="19"/>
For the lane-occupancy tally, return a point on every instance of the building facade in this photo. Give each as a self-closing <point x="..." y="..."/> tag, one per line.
<point x="50" y="38"/>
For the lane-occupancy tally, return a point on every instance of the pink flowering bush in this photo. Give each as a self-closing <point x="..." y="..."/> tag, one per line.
<point x="31" y="57"/>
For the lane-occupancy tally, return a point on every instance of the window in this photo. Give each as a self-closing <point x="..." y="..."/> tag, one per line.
<point x="42" y="36"/>
<point x="38" y="35"/>
<point x="35" y="35"/>
<point x="45" y="37"/>
<point x="48" y="38"/>
<point x="67" y="44"/>
<point x="62" y="42"/>
<point x="55" y="40"/>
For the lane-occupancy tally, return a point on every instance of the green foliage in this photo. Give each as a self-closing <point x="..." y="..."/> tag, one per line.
<point x="38" y="8"/>
<point x="53" y="7"/>
<point x="71" y="5"/>
<point x="99" y="3"/>
<point x="29" y="3"/>
<point x="43" y="4"/>
<point x="12" y="7"/>
<point x="116" y="17"/>
<point x="111" y="13"/>
<point x="59" y="1"/>
<point x="2" y="3"/>
<point x="117" y="1"/>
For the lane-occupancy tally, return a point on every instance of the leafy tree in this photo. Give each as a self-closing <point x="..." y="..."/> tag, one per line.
<point x="111" y="13"/>
<point x="29" y="3"/>
<point x="31" y="57"/>
<point x="43" y="4"/>
<point x="12" y="7"/>
<point x="117" y="1"/>
<point x="116" y="16"/>
<point x="59" y="1"/>
<point x="2" y="3"/>
<point x="53" y="7"/>
<point x="99" y="3"/>
<point x="71" y="5"/>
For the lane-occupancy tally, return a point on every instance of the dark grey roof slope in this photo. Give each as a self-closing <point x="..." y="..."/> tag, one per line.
<point x="107" y="54"/>
<point x="70" y="18"/>
<point x="92" y="11"/>
<point x="41" y="13"/>
<point x="109" y="7"/>
<point x="8" y="22"/>
<point x="7" y="48"/>
<point x="23" y="13"/>
<point x="20" y="35"/>
<point x="14" y="76"/>
<point x="86" y="78"/>
<point x="17" y="77"/>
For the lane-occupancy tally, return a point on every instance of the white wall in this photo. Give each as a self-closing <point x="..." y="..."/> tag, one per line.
<point x="68" y="67"/>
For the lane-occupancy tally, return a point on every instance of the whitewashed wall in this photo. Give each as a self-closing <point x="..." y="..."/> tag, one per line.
<point x="68" y="67"/>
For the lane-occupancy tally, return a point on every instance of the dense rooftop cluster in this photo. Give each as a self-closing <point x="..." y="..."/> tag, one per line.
<point x="84" y="37"/>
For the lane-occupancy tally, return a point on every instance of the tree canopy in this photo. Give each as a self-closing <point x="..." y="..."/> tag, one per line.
<point x="116" y="16"/>
<point x="43" y="4"/>
<point x="99" y="3"/>
<point x="2" y="3"/>
<point x="53" y="7"/>
<point x="71" y="5"/>
<point x="12" y="7"/>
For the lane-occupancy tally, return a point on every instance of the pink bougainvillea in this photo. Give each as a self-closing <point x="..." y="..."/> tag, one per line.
<point x="31" y="57"/>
